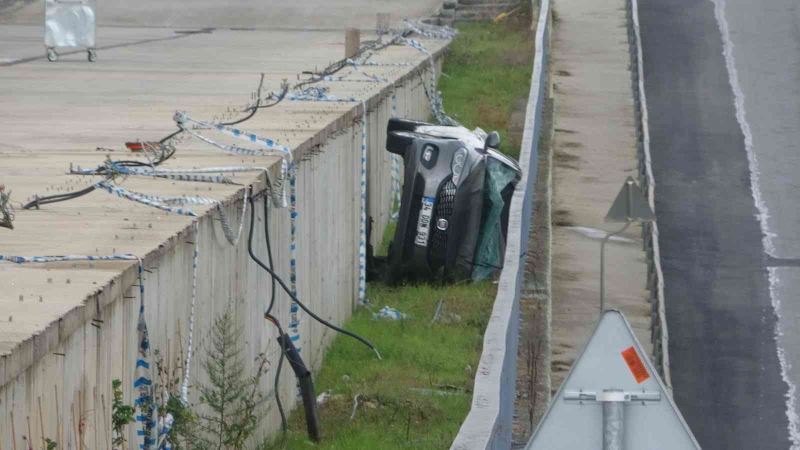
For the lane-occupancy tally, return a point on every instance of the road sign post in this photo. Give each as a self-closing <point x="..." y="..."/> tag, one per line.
<point x="629" y="206"/>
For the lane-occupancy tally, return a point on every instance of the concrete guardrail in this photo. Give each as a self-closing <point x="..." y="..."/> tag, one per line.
<point x="489" y="422"/>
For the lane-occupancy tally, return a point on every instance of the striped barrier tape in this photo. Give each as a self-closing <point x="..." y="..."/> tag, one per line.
<point x="316" y="94"/>
<point x="182" y="200"/>
<point x="187" y="366"/>
<point x="183" y="120"/>
<point x="233" y="239"/>
<point x="142" y="383"/>
<point x="232" y="149"/>
<point x="355" y="63"/>
<point x="62" y="258"/>
<point x="195" y="175"/>
<point x="395" y="202"/>
<point x="220" y="169"/>
<point x="362" y="242"/>
<point x="198" y="178"/>
<point x="143" y="199"/>
<point x="429" y="30"/>
<point x="294" y="308"/>
<point x="435" y="97"/>
<point x="153" y="429"/>
<point x="369" y="78"/>
<point x="196" y="172"/>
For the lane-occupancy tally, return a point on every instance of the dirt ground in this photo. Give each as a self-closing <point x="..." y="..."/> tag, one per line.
<point x="533" y="354"/>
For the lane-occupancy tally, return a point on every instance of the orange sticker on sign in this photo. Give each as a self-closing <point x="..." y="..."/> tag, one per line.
<point x="635" y="364"/>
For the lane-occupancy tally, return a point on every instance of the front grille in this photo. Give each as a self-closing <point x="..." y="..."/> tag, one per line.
<point x="445" y="203"/>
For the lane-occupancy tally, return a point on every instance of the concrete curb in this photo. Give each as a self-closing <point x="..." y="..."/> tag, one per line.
<point x="655" y="277"/>
<point x="489" y="423"/>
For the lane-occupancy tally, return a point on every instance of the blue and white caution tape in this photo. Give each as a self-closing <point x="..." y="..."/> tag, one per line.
<point x="368" y="78"/>
<point x="294" y="308"/>
<point x="143" y="384"/>
<point x="164" y="427"/>
<point x="61" y="258"/>
<point x="187" y="366"/>
<point x="356" y="63"/>
<point x="429" y="30"/>
<point x="316" y="94"/>
<point x="184" y="121"/>
<point x="196" y="175"/>
<point x="232" y="149"/>
<point x="362" y="242"/>
<point x="183" y="200"/>
<point x="437" y="106"/>
<point x="220" y="169"/>
<point x="143" y="199"/>
<point x="233" y="239"/>
<point x="396" y="163"/>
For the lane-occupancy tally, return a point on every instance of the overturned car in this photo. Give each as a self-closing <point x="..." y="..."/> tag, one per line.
<point x="454" y="208"/>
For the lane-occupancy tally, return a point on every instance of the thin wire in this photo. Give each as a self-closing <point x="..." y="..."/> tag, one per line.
<point x="269" y="248"/>
<point x="60" y="197"/>
<point x="253" y="109"/>
<point x="134" y="163"/>
<point x="269" y="253"/>
<point x="294" y="298"/>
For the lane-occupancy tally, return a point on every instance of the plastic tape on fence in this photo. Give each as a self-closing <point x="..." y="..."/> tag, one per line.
<point x="279" y="195"/>
<point x="430" y="31"/>
<point x="362" y="242"/>
<point x="61" y="258"/>
<point x="143" y="199"/>
<point x="183" y="120"/>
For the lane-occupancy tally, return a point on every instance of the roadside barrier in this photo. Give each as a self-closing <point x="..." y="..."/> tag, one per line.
<point x="489" y="423"/>
<point x="655" y="277"/>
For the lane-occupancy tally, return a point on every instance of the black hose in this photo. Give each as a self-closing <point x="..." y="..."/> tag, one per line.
<point x="269" y="253"/>
<point x="58" y="197"/>
<point x="284" y="424"/>
<point x="306" y="385"/>
<point x="255" y="258"/>
<point x="294" y="298"/>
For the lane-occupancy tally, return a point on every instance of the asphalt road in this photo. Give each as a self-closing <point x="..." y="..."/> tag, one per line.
<point x="726" y="373"/>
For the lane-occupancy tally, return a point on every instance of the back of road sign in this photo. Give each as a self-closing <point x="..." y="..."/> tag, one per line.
<point x="612" y="360"/>
<point x="630" y="205"/>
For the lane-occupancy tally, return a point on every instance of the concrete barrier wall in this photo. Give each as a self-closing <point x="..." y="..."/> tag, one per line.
<point x="655" y="277"/>
<point x="490" y="420"/>
<point x="65" y="394"/>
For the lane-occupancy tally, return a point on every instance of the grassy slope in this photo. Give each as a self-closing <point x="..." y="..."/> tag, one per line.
<point x="487" y="70"/>
<point x="392" y="412"/>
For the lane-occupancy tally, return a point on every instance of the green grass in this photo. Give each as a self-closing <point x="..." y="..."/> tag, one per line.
<point x="487" y="69"/>
<point x="400" y="407"/>
<point x="396" y="407"/>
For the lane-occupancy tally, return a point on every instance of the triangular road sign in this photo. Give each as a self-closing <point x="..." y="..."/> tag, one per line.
<point x="612" y="370"/>
<point x="630" y="205"/>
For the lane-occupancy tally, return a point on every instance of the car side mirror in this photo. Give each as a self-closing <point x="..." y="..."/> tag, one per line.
<point x="492" y="140"/>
